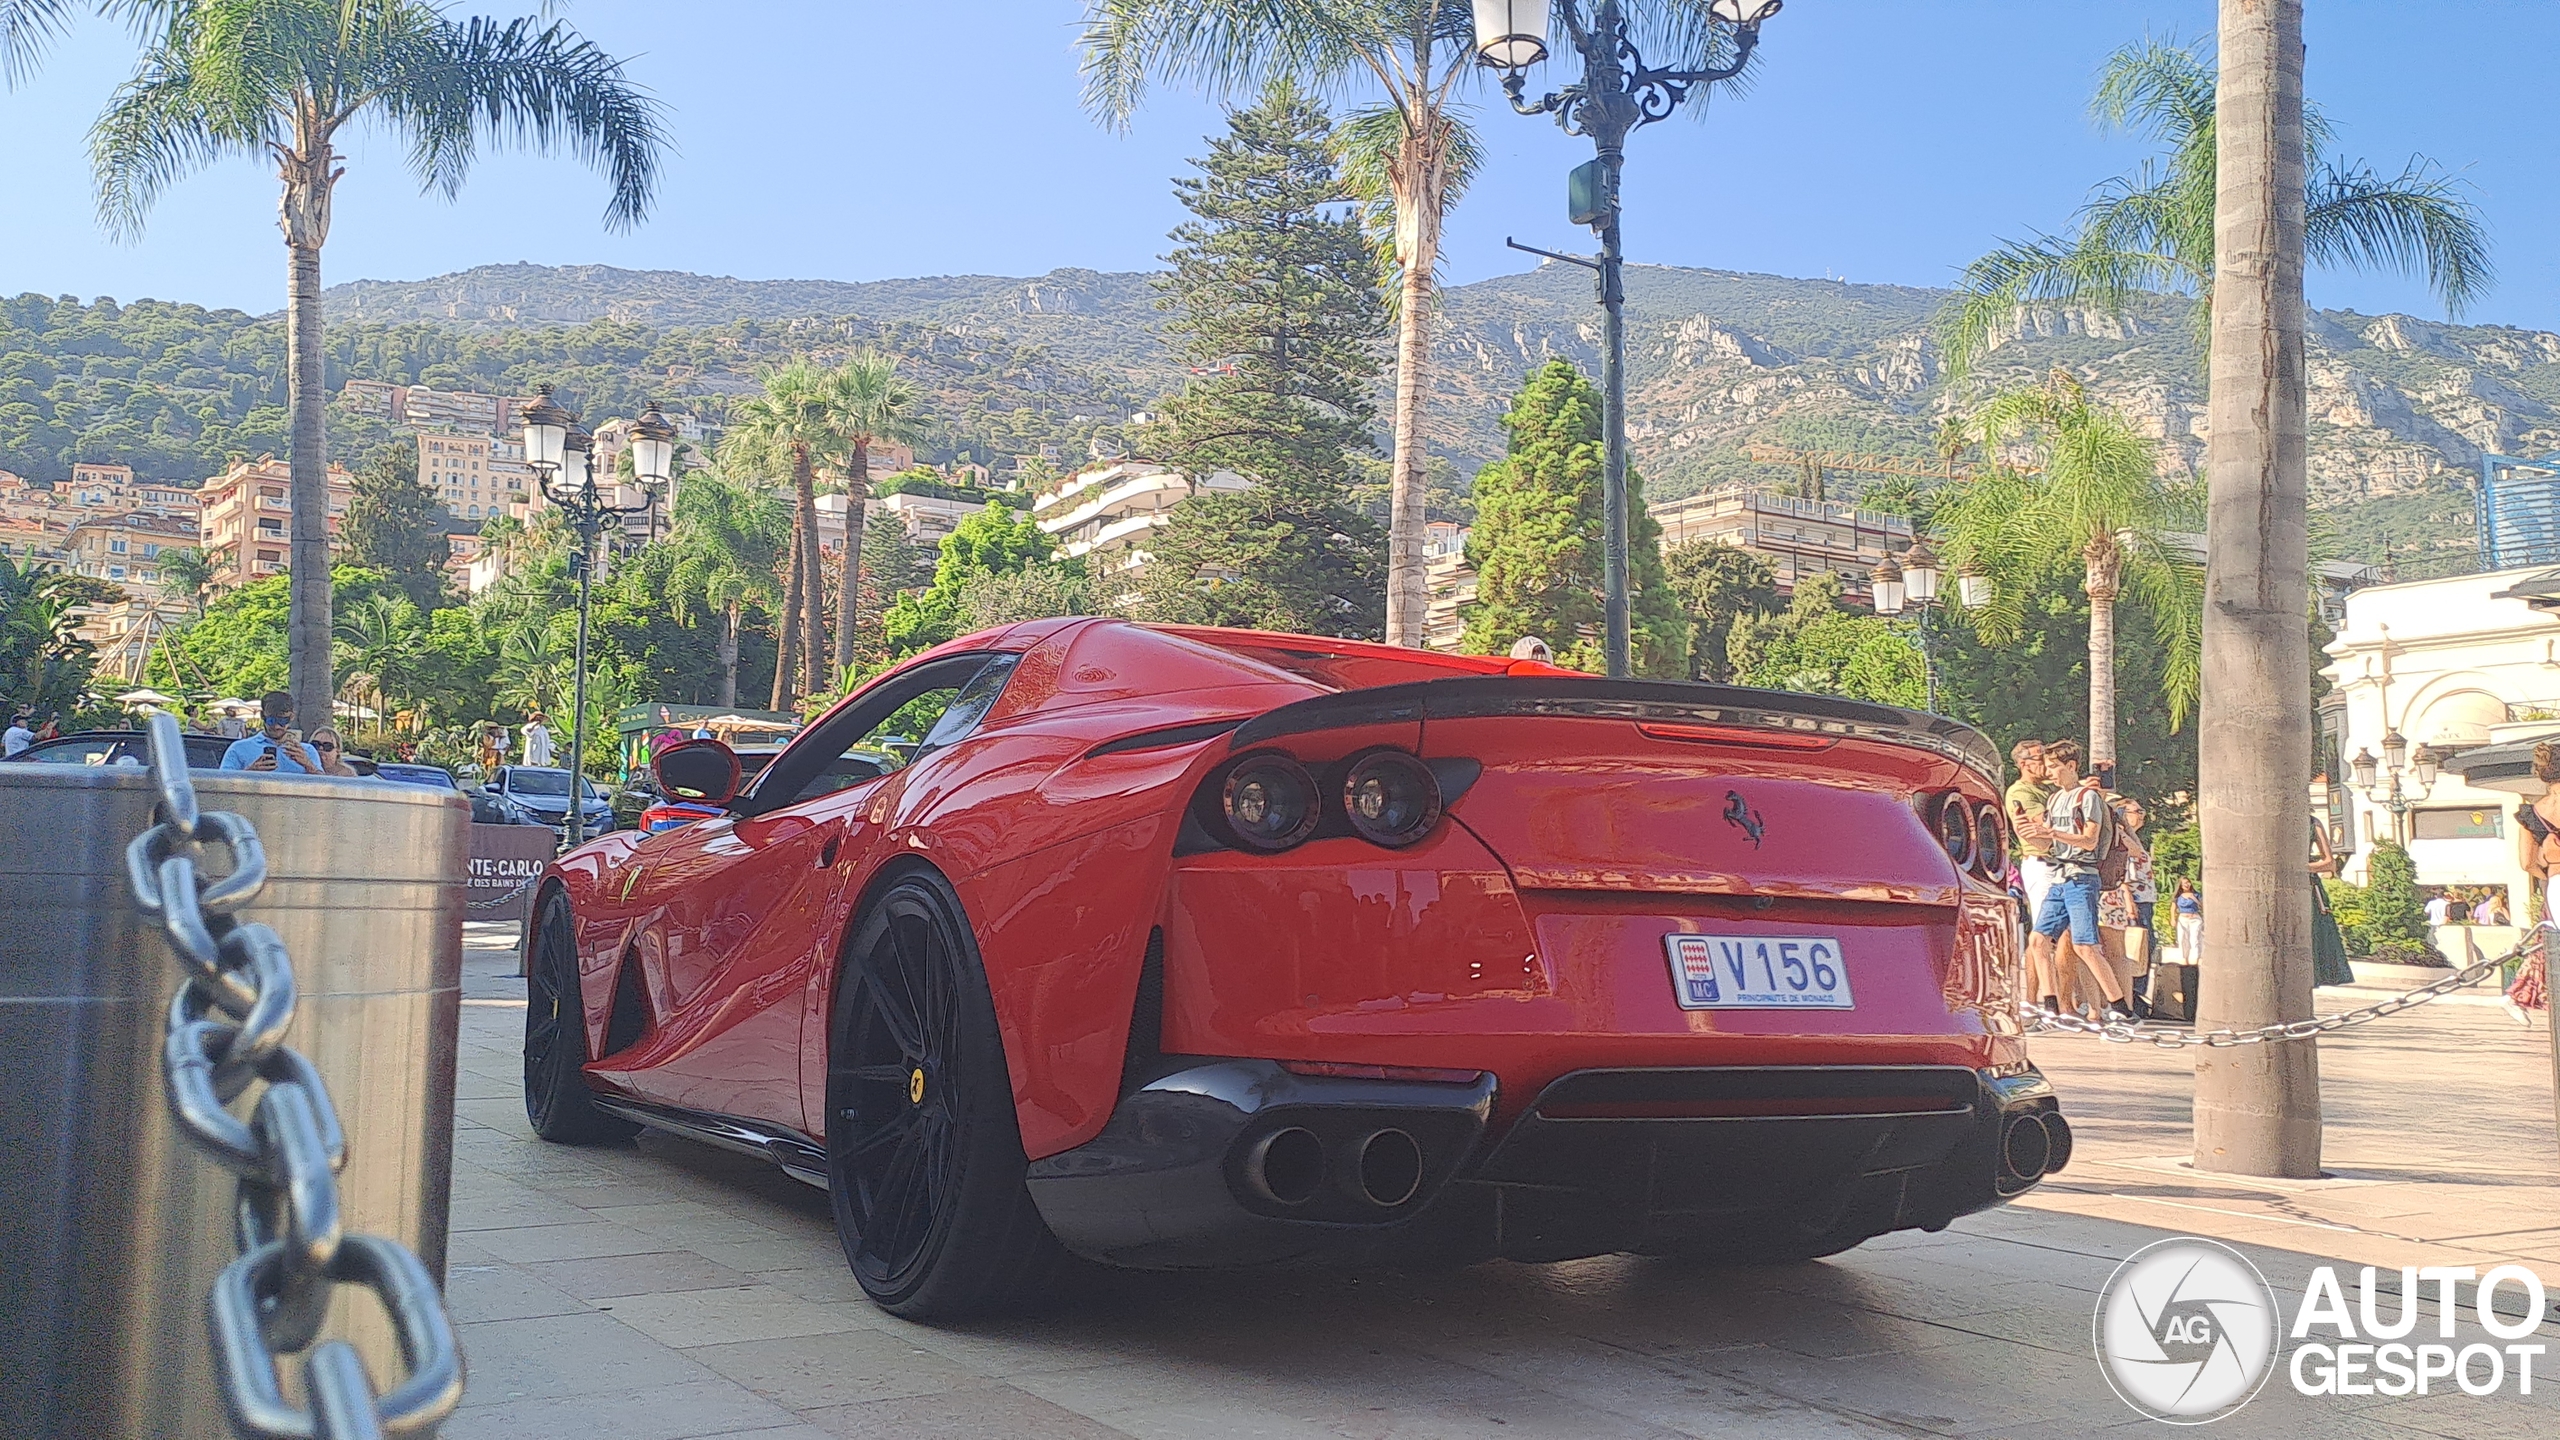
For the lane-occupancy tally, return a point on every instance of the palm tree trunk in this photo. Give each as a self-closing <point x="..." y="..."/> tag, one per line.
<point x="813" y="577"/>
<point x="2103" y="581"/>
<point x="2257" y="1107"/>
<point x="857" y="487"/>
<point x="787" y="631"/>
<point x="308" y="626"/>
<point x="730" y="619"/>
<point x="1419" y="189"/>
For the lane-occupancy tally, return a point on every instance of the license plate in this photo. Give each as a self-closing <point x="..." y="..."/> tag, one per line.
<point x="1757" y="972"/>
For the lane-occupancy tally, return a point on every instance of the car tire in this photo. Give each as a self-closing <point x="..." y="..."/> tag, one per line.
<point x="925" y="1167"/>
<point x="557" y="1101"/>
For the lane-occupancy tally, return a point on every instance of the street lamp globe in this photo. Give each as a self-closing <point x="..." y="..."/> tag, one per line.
<point x="1920" y="573"/>
<point x="1511" y="34"/>
<point x="1745" y="12"/>
<point x="1888" y="587"/>
<point x="546" y="427"/>
<point x="575" y="449"/>
<point x="2423" y="766"/>
<point x="2365" y="772"/>
<point x="1973" y="589"/>
<point x="2395" y="751"/>
<point x="653" y="447"/>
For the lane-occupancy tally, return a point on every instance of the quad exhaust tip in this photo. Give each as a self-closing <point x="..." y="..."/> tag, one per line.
<point x="2057" y="1141"/>
<point x="2026" y="1148"/>
<point x="1390" y="1167"/>
<point x="1286" y="1165"/>
<point x="1381" y="1167"/>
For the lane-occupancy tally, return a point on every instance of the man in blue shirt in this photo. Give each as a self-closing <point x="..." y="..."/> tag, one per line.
<point x="275" y="747"/>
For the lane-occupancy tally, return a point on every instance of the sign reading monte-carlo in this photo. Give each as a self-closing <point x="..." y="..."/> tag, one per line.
<point x="504" y="859"/>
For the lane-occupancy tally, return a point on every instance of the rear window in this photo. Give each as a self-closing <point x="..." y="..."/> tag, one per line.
<point x="1352" y="665"/>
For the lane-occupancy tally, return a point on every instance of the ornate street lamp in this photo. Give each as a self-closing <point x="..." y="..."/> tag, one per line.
<point x="1973" y="589"/>
<point x="1617" y="93"/>
<point x="559" y="451"/>
<point x="2380" y="782"/>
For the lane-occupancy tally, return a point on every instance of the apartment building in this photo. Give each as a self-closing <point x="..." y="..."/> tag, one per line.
<point x="94" y="483"/>
<point x="1799" y="538"/>
<point x="248" y="511"/>
<point x="33" y="543"/>
<point x="1450" y="582"/>
<point x="475" y="475"/>
<point x="125" y="549"/>
<point x="1107" y="513"/>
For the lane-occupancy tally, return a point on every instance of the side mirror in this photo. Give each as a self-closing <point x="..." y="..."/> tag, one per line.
<point x="703" y="771"/>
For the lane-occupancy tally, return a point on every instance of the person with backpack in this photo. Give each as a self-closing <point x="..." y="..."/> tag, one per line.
<point x="2126" y="896"/>
<point x="2079" y="832"/>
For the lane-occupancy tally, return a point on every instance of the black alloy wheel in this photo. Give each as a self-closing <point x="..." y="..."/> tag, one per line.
<point x="924" y="1158"/>
<point x="556" y="1099"/>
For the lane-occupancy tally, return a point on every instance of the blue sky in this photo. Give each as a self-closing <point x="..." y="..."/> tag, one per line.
<point x="1886" y="140"/>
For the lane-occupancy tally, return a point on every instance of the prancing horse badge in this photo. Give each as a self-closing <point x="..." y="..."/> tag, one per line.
<point x="1739" y="814"/>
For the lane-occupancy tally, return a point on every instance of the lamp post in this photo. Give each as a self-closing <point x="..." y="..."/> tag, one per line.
<point x="1618" y="93"/>
<point x="1913" y="584"/>
<point x="557" y="449"/>
<point x="2381" y="782"/>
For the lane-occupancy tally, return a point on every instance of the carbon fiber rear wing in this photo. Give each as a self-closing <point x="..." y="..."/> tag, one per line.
<point x="1666" y="702"/>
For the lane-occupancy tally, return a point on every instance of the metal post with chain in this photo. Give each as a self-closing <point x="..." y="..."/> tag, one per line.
<point x="226" y="1030"/>
<point x="2127" y="1032"/>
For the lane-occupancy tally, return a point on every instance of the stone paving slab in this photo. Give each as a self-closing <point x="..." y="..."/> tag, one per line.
<point x="659" y="1290"/>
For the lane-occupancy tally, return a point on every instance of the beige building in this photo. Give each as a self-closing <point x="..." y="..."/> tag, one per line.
<point x="33" y="543"/>
<point x="1798" y="538"/>
<point x="473" y="474"/>
<point x="125" y="633"/>
<point x="248" y="511"/>
<point x="125" y="549"/>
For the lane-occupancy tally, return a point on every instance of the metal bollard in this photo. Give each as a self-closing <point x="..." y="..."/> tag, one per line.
<point x="112" y="1228"/>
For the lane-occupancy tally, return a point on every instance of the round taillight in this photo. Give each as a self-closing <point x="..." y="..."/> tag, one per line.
<point x="1952" y="819"/>
<point x="1990" y="844"/>
<point x="1391" y="798"/>
<point x="1268" y="803"/>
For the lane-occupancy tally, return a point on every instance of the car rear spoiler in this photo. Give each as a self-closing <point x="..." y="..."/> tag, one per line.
<point x="1669" y="702"/>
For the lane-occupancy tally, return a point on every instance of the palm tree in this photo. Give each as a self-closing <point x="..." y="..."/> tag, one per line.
<point x="2097" y="503"/>
<point x="2154" y="232"/>
<point x="726" y="537"/>
<point x="223" y="79"/>
<point x="534" y="663"/>
<point x="189" y="571"/>
<point x="386" y="639"/>
<point x="2258" y="1114"/>
<point x="793" y="426"/>
<point x="873" y="402"/>
<point x="1413" y="149"/>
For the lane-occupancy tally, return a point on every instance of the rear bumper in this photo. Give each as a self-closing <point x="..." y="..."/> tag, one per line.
<point x="1238" y="1162"/>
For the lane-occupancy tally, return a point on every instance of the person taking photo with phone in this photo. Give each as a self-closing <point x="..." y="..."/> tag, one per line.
<point x="277" y="747"/>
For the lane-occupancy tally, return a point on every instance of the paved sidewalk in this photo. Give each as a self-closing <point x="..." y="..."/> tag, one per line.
<point x="662" y="1291"/>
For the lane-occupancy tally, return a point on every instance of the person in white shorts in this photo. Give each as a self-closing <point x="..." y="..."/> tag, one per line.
<point x="2025" y="800"/>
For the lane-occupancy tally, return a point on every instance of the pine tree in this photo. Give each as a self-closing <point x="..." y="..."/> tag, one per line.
<point x="1274" y="300"/>
<point x="396" y="525"/>
<point x="1716" y="584"/>
<point x="1536" y="546"/>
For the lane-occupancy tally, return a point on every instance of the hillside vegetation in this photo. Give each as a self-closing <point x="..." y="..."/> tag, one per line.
<point x="2401" y="407"/>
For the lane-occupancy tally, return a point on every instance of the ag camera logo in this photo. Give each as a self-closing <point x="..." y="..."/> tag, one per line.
<point x="2187" y="1331"/>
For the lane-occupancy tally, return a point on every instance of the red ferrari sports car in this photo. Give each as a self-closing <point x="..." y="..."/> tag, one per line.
<point x="1188" y="947"/>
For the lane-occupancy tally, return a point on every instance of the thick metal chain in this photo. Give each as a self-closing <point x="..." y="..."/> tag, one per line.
<point x="226" y="1031"/>
<point x="502" y="901"/>
<point x="2129" y="1032"/>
